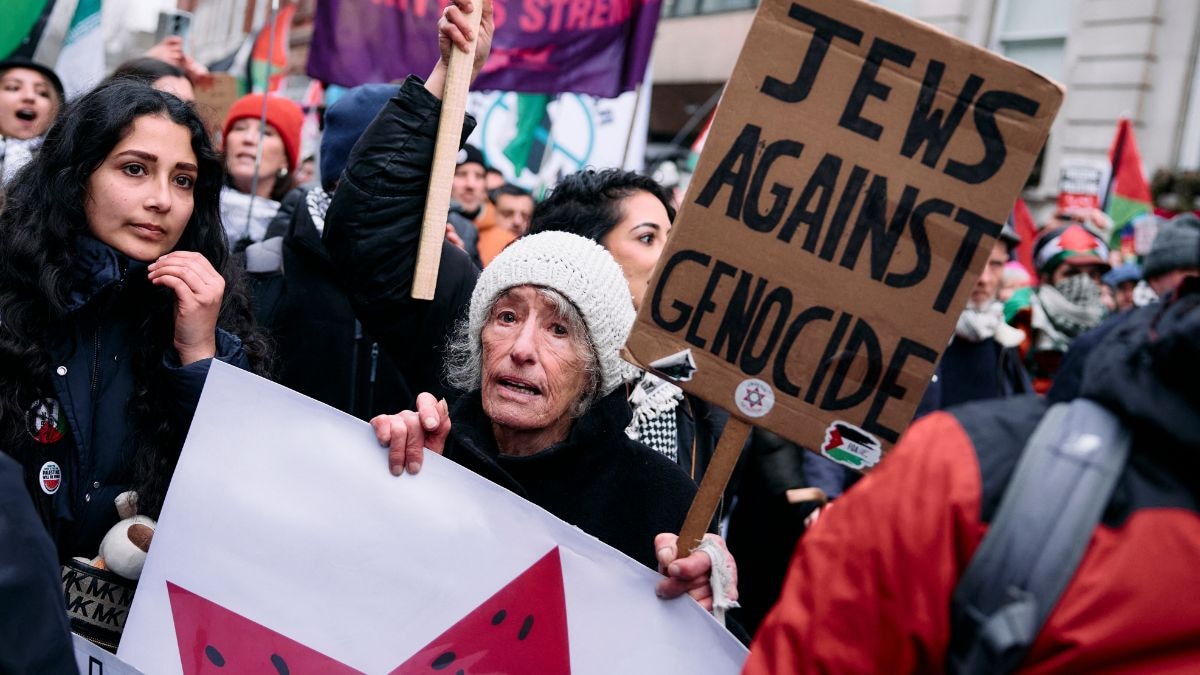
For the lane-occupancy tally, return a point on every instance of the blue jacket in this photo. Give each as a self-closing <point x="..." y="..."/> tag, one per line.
<point x="34" y="634"/>
<point x="83" y="424"/>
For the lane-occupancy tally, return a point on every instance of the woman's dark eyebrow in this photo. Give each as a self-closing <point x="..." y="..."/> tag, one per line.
<point x="148" y="157"/>
<point x="144" y="156"/>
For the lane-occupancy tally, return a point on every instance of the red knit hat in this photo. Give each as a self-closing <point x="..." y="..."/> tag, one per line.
<point x="282" y="114"/>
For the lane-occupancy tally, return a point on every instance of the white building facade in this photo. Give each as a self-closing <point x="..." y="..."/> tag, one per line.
<point x="1134" y="58"/>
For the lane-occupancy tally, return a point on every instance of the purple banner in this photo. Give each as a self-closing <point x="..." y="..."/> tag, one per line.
<point x="597" y="47"/>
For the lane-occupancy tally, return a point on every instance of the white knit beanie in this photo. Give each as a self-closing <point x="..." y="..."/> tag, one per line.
<point x="583" y="272"/>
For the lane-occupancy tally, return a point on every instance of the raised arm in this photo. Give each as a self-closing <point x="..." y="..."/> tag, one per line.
<point x="373" y="225"/>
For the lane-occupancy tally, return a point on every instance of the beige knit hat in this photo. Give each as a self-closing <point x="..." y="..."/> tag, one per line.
<point x="583" y="272"/>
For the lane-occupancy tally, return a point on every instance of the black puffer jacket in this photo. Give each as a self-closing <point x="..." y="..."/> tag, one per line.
<point x="372" y="231"/>
<point x="610" y="486"/>
<point x="82" y="424"/>
<point x="322" y="349"/>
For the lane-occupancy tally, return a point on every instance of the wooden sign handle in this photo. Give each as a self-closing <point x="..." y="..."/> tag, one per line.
<point x="445" y="154"/>
<point x="712" y="486"/>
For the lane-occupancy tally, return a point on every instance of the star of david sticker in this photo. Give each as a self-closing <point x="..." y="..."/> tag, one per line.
<point x="754" y="396"/>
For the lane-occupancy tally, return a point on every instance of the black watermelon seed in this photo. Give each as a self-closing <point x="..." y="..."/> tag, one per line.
<point x="499" y="618"/>
<point x="525" y="628"/>
<point x="443" y="660"/>
<point x="280" y="664"/>
<point x="214" y="656"/>
<point x="461" y="672"/>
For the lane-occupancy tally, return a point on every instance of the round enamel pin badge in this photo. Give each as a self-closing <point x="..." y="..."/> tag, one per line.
<point x="45" y="422"/>
<point x="50" y="477"/>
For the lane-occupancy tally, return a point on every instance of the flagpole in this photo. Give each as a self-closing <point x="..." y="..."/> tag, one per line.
<point x="548" y="146"/>
<point x="637" y="102"/>
<point x="445" y="152"/>
<point x="262" y="117"/>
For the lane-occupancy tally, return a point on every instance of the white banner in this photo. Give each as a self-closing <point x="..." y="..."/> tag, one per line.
<point x="285" y="545"/>
<point x="93" y="660"/>
<point x="535" y="140"/>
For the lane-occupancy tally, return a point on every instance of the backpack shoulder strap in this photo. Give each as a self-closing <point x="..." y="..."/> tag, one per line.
<point x="1061" y="485"/>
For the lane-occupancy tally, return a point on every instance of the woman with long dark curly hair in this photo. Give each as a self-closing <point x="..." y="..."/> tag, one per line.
<point x="116" y="291"/>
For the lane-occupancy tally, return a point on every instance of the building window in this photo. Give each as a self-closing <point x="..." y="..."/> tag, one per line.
<point x="675" y="8"/>
<point x="899" y="6"/>
<point x="1034" y="33"/>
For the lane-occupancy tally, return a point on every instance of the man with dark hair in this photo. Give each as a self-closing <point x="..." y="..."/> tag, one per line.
<point x="493" y="178"/>
<point x="471" y="214"/>
<point x="514" y="208"/>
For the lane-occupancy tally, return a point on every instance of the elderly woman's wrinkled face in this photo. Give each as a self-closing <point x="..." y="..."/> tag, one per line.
<point x="534" y="368"/>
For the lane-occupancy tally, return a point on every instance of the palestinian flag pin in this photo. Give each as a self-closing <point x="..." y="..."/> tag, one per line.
<point x="44" y="421"/>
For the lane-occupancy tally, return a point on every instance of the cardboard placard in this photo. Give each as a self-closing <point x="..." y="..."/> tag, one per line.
<point x="214" y="98"/>
<point x="854" y="180"/>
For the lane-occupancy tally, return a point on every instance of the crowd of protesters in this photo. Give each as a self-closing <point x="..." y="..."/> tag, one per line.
<point x="135" y="248"/>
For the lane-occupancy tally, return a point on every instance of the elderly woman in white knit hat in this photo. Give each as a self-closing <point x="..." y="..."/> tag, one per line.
<point x="538" y="358"/>
<point x="532" y="359"/>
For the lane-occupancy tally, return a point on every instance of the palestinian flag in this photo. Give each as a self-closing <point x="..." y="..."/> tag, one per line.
<point x="36" y="29"/>
<point x="698" y="145"/>
<point x="1022" y="223"/>
<point x="1129" y="193"/>
<point x="80" y="64"/>
<point x="269" y="58"/>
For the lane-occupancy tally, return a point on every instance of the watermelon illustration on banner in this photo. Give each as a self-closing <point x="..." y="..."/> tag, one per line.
<point x="1129" y="193"/>
<point x="213" y="639"/>
<point x="520" y="629"/>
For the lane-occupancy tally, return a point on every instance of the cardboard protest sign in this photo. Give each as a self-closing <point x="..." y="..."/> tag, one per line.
<point x="856" y="175"/>
<point x="285" y="545"/>
<point x="214" y="98"/>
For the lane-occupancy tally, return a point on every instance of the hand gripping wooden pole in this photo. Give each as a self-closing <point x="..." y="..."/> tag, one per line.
<point x="712" y="486"/>
<point x="441" y="174"/>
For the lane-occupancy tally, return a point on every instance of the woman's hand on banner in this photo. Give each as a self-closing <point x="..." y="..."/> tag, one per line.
<point x="198" y="289"/>
<point x="407" y="434"/>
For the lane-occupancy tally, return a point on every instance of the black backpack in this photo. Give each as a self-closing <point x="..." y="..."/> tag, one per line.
<point x="1059" y="489"/>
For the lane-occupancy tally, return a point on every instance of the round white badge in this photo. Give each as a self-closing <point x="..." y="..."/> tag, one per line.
<point x="754" y="397"/>
<point x="50" y="477"/>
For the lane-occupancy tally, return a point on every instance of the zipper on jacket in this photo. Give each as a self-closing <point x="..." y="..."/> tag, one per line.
<point x="96" y="363"/>
<point x="116" y="290"/>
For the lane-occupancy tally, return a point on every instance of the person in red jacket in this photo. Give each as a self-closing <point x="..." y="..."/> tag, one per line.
<point x="870" y="586"/>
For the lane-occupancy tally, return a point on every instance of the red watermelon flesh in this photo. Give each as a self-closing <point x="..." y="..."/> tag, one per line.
<point x="521" y="629"/>
<point x="215" y="640"/>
